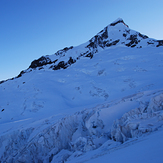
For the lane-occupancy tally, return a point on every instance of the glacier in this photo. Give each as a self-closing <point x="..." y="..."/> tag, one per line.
<point x="105" y="126"/>
<point x="84" y="102"/>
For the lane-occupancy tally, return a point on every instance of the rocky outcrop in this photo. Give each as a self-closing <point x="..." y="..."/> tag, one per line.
<point x="44" y="60"/>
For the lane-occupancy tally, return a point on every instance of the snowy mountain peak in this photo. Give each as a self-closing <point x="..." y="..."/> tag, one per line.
<point x="117" y="34"/>
<point x="117" y="21"/>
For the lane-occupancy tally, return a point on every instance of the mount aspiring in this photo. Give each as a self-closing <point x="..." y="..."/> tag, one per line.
<point x="117" y="33"/>
<point x="86" y="103"/>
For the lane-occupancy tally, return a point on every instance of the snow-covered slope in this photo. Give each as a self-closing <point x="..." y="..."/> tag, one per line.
<point x="95" y="96"/>
<point x="111" y="74"/>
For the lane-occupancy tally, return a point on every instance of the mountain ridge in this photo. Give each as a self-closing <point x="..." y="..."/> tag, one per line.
<point x="116" y="33"/>
<point x="103" y="39"/>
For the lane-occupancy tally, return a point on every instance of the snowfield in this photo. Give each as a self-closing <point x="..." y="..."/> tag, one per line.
<point x="99" y="101"/>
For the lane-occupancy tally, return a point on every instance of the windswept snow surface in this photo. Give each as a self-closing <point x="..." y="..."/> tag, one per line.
<point x="79" y="107"/>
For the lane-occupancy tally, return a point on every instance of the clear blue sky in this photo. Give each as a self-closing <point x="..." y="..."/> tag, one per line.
<point x="32" y="28"/>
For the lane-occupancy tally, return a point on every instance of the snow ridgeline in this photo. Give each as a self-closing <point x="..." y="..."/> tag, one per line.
<point x="86" y="130"/>
<point x="116" y="34"/>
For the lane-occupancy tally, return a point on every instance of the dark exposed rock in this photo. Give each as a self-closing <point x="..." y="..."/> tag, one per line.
<point x="21" y="73"/>
<point x="71" y="61"/>
<point x="60" y="65"/>
<point x="63" y="64"/>
<point x="92" y="44"/>
<point x="90" y="55"/>
<point x="40" y="62"/>
<point x="98" y="40"/>
<point x="46" y="60"/>
<point x="67" y="48"/>
<point x="2" y="81"/>
<point x="86" y="54"/>
<point x="133" y="46"/>
<point x="130" y="43"/>
<point x="143" y="36"/>
<point x="41" y="68"/>
<point x="133" y="42"/>
<point x="120" y="21"/>
<point x="104" y="33"/>
<point x="160" y="43"/>
<point x="133" y="38"/>
<point x="112" y="43"/>
<point x="83" y="54"/>
<point x="127" y="31"/>
<point x="60" y="52"/>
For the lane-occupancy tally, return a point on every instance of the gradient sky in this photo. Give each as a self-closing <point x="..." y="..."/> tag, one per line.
<point x="32" y="28"/>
